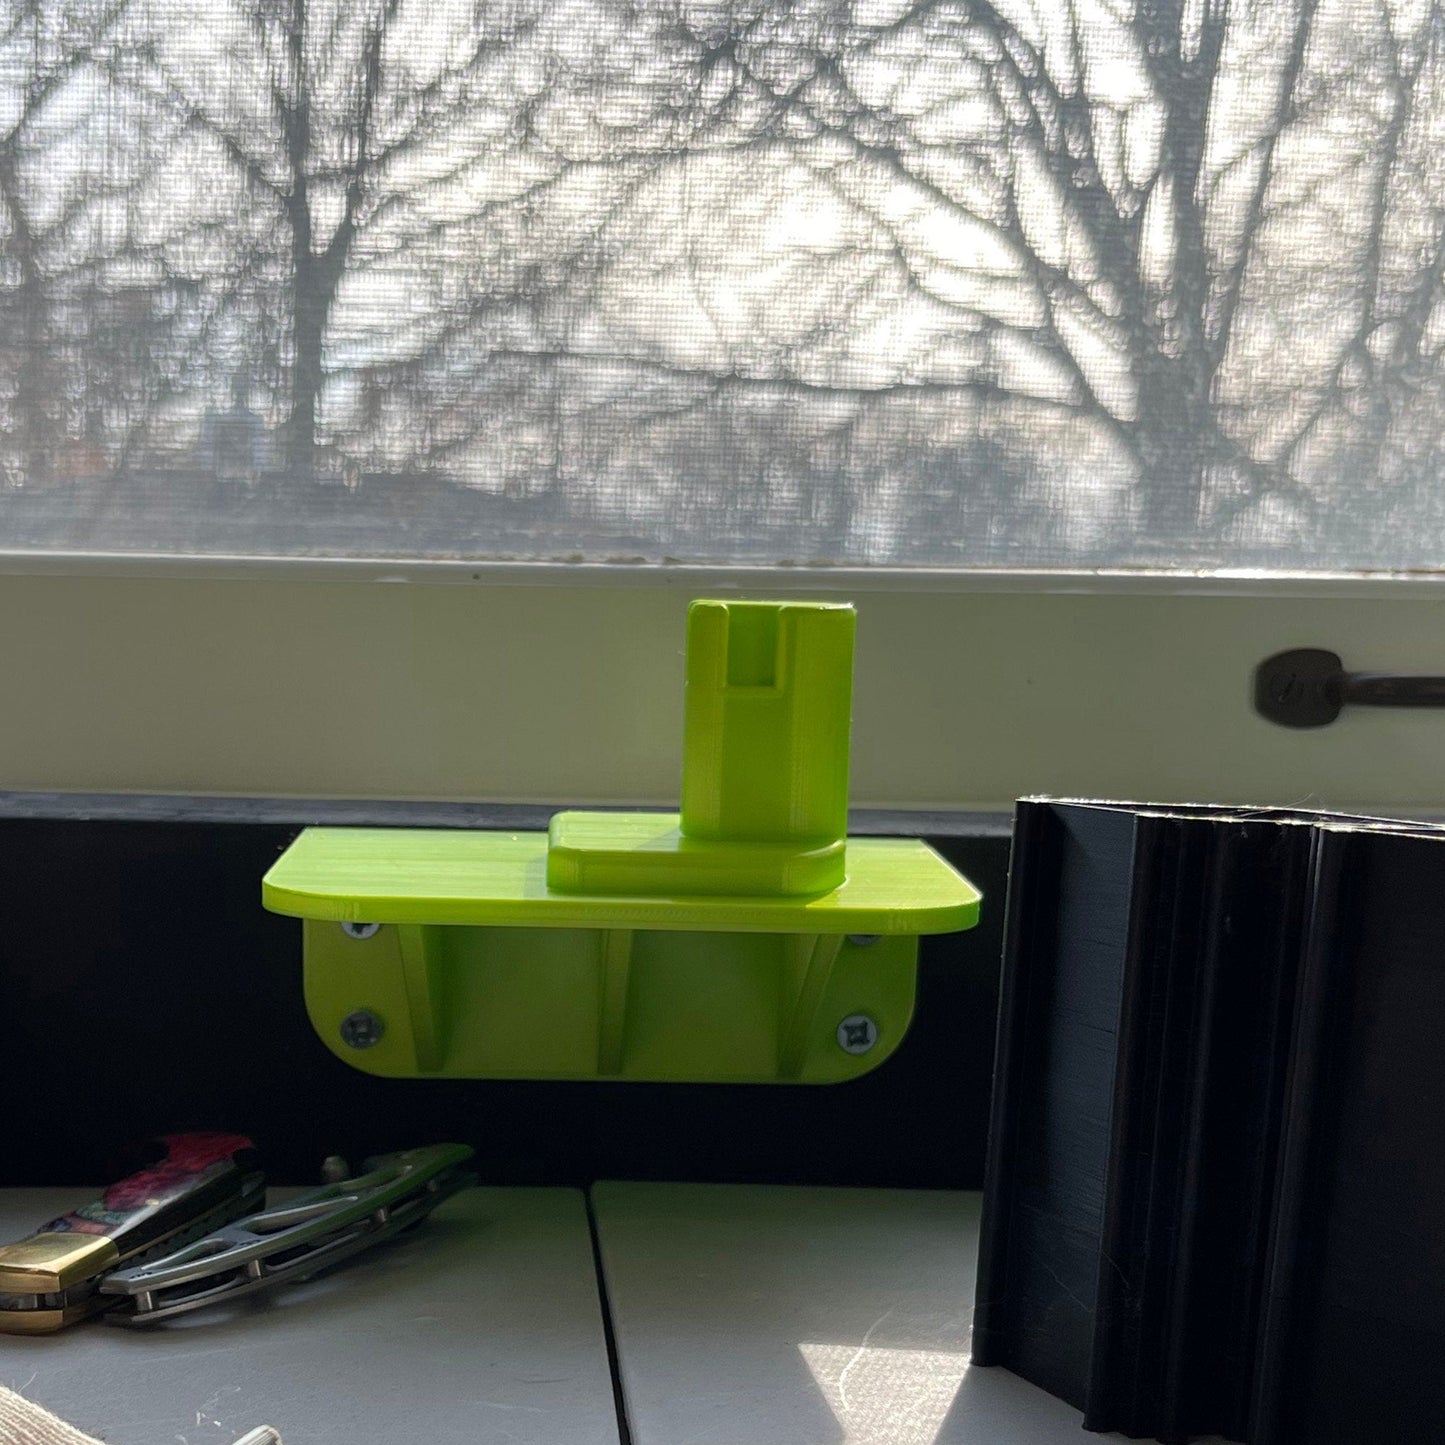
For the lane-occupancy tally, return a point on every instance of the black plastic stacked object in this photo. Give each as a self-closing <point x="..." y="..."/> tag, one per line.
<point x="1215" y="1200"/>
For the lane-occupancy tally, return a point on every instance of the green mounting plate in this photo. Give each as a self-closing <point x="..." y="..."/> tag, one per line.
<point x="745" y="939"/>
<point x="452" y="876"/>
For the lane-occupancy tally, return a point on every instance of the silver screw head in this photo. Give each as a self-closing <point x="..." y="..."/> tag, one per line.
<point x="857" y="1034"/>
<point x="361" y="1029"/>
<point x="864" y="940"/>
<point x="361" y="930"/>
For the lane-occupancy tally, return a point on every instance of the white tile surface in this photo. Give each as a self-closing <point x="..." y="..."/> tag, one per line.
<point x="792" y="1316"/>
<point x="482" y="1327"/>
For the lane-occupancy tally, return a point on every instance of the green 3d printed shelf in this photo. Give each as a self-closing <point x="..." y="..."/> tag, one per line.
<point x="744" y="939"/>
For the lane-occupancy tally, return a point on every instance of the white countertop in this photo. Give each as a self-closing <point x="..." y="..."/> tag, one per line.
<point x="483" y="1326"/>
<point x="749" y="1315"/>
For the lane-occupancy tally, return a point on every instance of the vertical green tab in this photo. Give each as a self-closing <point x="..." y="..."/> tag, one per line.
<point x="765" y="742"/>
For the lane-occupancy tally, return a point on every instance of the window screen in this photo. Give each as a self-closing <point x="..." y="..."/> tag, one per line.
<point x="937" y="284"/>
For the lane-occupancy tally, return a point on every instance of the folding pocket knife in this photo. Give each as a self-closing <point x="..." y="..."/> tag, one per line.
<point x="50" y="1279"/>
<point x="292" y="1241"/>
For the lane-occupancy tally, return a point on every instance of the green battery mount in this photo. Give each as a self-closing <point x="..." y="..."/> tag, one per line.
<point x="744" y="939"/>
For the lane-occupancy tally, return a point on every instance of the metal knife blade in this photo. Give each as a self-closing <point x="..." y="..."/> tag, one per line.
<point x="295" y="1240"/>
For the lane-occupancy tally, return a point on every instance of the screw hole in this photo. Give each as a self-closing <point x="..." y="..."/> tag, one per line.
<point x="361" y="1029"/>
<point x="857" y="1034"/>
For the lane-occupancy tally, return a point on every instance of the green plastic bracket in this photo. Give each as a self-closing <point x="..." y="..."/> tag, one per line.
<point x="744" y="939"/>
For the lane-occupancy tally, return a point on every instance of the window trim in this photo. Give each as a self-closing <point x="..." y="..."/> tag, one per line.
<point x="703" y="578"/>
<point x="561" y="685"/>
